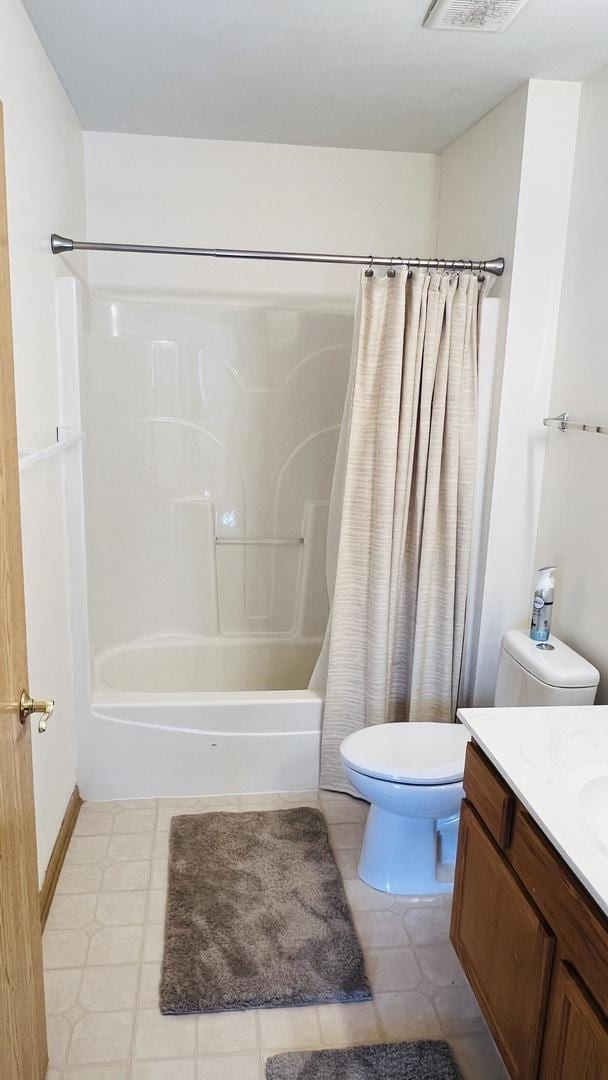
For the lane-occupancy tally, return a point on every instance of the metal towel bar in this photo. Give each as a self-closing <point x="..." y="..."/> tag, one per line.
<point x="259" y="540"/>
<point x="563" y="423"/>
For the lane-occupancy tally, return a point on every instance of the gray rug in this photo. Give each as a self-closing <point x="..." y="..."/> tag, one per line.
<point x="257" y="916"/>
<point x="393" y="1061"/>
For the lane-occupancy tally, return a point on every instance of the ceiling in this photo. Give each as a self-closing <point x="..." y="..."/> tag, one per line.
<point x="354" y="73"/>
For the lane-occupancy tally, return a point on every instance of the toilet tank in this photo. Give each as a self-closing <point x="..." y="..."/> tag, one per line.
<point x="528" y="675"/>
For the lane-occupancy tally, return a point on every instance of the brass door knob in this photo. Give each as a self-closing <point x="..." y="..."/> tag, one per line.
<point x="27" y="706"/>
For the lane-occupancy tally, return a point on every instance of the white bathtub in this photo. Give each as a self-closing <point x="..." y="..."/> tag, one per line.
<point x="164" y="721"/>
<point x="194" y="665"/>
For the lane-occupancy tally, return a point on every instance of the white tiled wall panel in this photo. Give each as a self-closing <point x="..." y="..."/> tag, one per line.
<point x="207" y="420"/>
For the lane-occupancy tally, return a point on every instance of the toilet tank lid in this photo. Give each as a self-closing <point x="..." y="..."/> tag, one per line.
<point x="560" y="666"/>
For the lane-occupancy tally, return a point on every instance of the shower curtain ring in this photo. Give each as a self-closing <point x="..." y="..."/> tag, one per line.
<point x="370" y="269"/>
<point x="391" y="270"/>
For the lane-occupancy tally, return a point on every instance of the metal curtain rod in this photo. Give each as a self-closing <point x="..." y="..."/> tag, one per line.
<point x="61" y="244"/>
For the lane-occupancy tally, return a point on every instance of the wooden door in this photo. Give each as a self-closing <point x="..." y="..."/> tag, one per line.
<point x="576" y="1040"/>
<point x="22" y="1022"/>
<point x="503" y="945"/>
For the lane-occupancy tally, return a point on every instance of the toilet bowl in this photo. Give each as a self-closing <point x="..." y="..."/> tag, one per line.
<point x="411" y="774"/>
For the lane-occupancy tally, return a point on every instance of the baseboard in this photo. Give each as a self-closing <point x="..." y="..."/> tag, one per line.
<point x="56" y="860"/>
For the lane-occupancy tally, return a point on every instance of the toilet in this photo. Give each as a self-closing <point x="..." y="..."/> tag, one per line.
<point x="411" y="774"/>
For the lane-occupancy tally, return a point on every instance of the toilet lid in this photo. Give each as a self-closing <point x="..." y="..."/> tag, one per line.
<point x="421" y="753"/>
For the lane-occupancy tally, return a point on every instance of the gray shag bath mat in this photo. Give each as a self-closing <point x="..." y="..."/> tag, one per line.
<point x="423" y="1060"/>
<point x="257" y="916"/>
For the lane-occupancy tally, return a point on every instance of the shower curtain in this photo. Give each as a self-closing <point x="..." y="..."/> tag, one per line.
<point x="402" y="500"/>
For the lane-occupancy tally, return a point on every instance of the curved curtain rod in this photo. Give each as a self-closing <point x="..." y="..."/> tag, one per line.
<point x="61" y="244"/>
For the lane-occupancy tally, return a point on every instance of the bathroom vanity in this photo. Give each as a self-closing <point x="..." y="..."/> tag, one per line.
<point x="530" y="911"/>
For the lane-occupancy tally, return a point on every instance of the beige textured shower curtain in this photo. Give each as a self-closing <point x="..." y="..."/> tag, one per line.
<point x="397" y="623"/>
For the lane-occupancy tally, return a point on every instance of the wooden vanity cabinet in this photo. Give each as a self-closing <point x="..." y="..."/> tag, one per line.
<point x="532" y="942"/>
<point x="503" y="945"/>
<point x="576" y="1041"/>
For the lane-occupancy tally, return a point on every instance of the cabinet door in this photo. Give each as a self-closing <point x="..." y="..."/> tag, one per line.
<point x="576" y="1042"/>
<point x="503" y="945"/>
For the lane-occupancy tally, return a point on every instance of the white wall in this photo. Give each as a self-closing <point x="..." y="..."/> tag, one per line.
<point x="479" y="188"/>
<point x="45" y="182"/>
<point x="497" y="195"/>
<point x="574" y="510"/>
<point x="477" y="215"/>
<point x="147" y="189"/>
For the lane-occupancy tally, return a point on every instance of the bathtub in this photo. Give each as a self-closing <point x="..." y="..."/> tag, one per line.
<point x="184" y="717"/>
<point x="194" y="665"/>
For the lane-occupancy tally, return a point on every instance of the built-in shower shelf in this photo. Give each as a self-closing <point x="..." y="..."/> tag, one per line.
<point x="259" y="540"/>
<point x="65" y="438"/>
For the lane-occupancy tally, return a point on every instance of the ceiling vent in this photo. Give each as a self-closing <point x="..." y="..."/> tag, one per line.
<point x="489" y="15"/>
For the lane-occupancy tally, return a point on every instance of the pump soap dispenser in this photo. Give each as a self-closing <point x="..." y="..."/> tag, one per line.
<point x="542" y="607"/>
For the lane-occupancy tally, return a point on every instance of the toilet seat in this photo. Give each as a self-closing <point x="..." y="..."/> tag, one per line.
<point x="418" y="753"/>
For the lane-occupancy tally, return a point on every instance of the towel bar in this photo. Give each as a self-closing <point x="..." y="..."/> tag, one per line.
<point x="565" y="424"/>
<point x="259" y="540"/>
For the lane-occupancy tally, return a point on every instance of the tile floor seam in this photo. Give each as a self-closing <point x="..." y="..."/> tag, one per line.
<point x="72" y="1026"/>
<point x="437" y="1017"/>
<point x="201" y="1054"/>
<point x="258" y="1029"/>
<point x="175" y="1056"/>
<point x="142" y="949"/>
<point x="379" y="1024"/>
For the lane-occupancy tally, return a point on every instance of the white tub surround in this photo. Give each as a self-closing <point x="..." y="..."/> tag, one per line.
<point x="556" y="762"/>
<point x="211" y="437"/>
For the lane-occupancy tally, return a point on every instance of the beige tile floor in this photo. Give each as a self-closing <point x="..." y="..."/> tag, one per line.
<point x="103" y="946"/>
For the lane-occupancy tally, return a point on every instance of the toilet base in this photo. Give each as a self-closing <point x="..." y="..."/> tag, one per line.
<point x="401" y="854"/>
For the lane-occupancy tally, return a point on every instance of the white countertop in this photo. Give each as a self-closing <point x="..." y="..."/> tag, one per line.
<point x="556" y="762"/>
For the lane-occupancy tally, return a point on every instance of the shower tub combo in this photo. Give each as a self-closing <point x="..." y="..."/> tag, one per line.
<point x="211" y="435"/>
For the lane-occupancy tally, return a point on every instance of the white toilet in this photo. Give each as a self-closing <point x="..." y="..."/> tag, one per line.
<point x="412" y="773"/>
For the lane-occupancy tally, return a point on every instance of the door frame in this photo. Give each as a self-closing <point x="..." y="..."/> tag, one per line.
<point x="23" y="1045"/>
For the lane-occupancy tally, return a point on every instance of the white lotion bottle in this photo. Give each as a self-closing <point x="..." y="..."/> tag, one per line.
<point x="542" y="607"/>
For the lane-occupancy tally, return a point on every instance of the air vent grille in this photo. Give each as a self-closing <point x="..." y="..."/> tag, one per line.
<point x="489" y="15"/>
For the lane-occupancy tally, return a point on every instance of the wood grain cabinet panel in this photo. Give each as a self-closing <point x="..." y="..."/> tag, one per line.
<point x="487" y="792"/>
<point x="576" y="1041"/>
<point x="575" y="919"/>
<point x="504" y="946"/>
